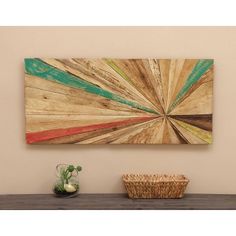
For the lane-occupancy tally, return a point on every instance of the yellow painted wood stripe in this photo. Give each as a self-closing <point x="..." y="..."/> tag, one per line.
<point x="200" y="133"/>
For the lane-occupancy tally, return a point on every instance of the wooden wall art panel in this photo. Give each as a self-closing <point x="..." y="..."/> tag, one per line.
<point x="118" y="101"/>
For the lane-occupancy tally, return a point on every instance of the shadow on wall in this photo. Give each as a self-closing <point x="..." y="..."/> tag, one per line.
<point x="121" y="147"/>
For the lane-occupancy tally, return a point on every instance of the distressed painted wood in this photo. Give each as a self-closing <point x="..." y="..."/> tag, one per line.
<point x="118" y="101"/>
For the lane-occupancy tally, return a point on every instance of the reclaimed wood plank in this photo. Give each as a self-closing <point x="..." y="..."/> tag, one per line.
<point x="116" y="202"/>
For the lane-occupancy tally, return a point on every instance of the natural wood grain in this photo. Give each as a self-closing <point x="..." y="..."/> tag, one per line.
<point x="164" y="68"/>
<point x="198" y="102"/>
<point x="48" y="72"/>
<point x="193" y="81"/>
<point x="154" y="68"/>
<point x="48" y="122"/>
<point x="137" y="76"/>
<point x="116" y="202"/>
<point x="46" y="97"/>
<point x="173" y="137"/>
<point x="187" y="134"/>
<point x="119" y="136"/>
<point x="188" y="66"/>
<point x="34" y="137"/>
<point x="143" y="136"/>
<point x="176" y="66"/>
<point x="204" y="79"/>
<point x="201" y="121"/>
<point x="63" y="96"/>
<point x="98" y="73"/>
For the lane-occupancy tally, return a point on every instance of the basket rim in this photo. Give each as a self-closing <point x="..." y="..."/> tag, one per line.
<point x="154" y="178"/>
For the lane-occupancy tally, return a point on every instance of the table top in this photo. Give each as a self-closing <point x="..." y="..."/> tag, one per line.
<point x="116" y="202"/>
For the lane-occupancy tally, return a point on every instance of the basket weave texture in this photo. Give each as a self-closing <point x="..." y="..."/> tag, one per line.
<point x="155" y="186"/>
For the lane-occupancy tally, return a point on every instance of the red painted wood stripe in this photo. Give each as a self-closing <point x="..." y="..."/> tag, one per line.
<point x="56" y="133"/>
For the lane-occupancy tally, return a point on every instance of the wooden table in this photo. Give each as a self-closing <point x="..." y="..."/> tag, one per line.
<point x="116" y="202"/>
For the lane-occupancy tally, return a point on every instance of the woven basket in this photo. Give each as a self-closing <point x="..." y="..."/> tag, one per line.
<point x="155" y="186"/>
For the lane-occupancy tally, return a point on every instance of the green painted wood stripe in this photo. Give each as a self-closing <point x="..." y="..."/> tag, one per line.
<point x="41" y="69"/>
<point x="199" y="64"/>
<point x="201" y="67"/>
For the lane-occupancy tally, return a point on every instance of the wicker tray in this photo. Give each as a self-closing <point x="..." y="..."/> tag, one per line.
<point x="155" y="186"/>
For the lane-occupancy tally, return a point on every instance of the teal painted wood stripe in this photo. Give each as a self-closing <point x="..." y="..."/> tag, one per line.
<point x="41" y="69"/>
<point x="201" y="67"/>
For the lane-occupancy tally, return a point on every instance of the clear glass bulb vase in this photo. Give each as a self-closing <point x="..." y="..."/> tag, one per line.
<point x="67" y="183"/>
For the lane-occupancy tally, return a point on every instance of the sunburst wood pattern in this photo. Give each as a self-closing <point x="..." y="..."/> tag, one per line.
<point x="118" y="101"/>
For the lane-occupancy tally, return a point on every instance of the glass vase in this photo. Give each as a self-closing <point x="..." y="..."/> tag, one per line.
<point x="67" y="183"/>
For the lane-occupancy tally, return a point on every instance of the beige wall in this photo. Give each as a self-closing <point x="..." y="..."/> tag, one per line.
<point x="30" y="169"/>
